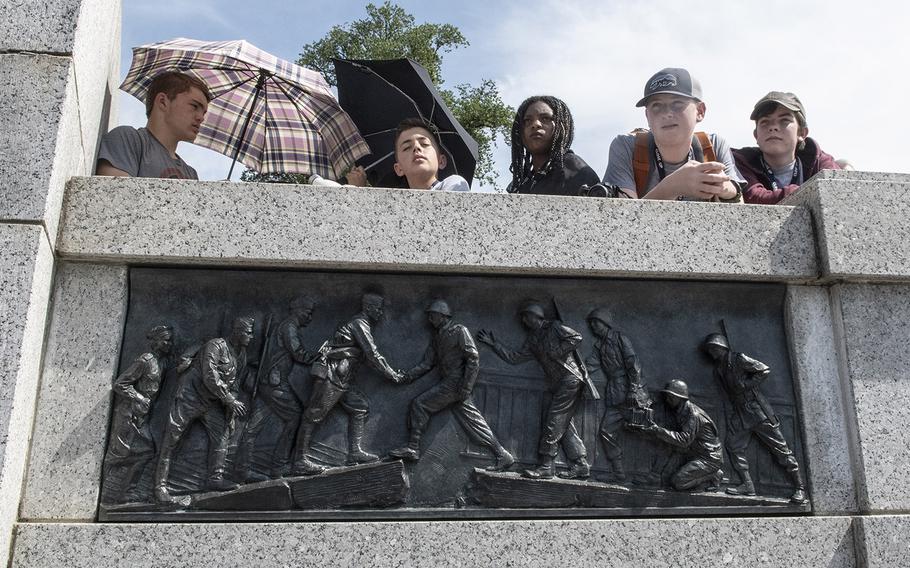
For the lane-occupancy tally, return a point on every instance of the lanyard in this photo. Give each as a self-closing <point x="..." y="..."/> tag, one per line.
<point x="796" y="179"/>
<point x="661" y="171"/>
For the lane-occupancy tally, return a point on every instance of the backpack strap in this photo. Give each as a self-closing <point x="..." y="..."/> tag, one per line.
<point x="641" y="161"/>
<point x="707" y="148"/>
<point x="711" y="156"/>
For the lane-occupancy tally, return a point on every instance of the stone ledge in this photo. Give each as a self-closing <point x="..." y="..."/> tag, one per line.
<point x="861" y="224"/>
<point x="767" y="542"/>
<point x="264" y="225"/>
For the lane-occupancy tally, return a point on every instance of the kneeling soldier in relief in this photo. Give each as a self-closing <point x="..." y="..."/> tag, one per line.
<point x="741" y="377"/>
<point x="454" y="353"/>
<point x="132" y="446"/>
<point x="696" y="434"/>
<point x="208" y="393"/>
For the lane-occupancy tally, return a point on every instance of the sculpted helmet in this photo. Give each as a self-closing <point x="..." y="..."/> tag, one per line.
<point x="160" y="333"/>
<point x="302" y="303"/>
<point x="439" y="307"/>
<point x="600" y="314"/>
<point x="244" y="324"/>
<point x="678" y="388"/>
<point x="718" y="339"/>
<point x="371" y="300"/>
<point x="535" y="309"/>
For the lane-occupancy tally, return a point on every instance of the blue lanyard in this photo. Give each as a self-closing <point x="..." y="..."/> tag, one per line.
<point x="796" y="179"/>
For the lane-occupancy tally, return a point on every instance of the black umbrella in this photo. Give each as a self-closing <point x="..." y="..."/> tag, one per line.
<point x="380" y="93"/>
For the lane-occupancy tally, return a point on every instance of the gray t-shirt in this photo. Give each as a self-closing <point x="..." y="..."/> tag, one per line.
<point x="140" y="154"/>
<point x="784" y="175"/>
<point x="621" y="172"/>
<point x="452" y="183"/>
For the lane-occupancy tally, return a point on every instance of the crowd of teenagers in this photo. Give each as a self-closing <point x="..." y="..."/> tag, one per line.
<point x="668" y="160"/>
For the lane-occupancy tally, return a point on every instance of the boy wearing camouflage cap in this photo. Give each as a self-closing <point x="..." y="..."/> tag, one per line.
<point x="785" y="156"/>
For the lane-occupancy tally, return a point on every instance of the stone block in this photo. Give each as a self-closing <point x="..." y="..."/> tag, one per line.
<point x="884" y="540"/>
<point x="821" y="394"/>
<point x="96" y="60"/>
<point x="767" y="542"/>
<point x="25" y="282"/>
<point x="861" y="224"/>
<point x="40" y="137"/>
<point x="40" y="26"/>
<point x="71" y="422"/>
<point x="180" y="222"/>
<point x="875" y="323"/>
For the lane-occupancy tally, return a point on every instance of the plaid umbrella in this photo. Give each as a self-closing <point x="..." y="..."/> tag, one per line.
<point x="272" y="115"/>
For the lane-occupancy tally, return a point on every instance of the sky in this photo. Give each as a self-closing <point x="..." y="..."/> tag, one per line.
<point x="843" y="58"/>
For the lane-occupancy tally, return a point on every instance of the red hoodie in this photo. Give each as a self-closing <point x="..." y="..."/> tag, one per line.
<point x="758" y="186"/>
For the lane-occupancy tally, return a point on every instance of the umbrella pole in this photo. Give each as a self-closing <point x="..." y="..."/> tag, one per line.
<point x="260" y="84"/>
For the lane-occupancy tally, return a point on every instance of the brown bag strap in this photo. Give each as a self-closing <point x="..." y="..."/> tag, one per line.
<point x="711" y="156"/>
<point x="641" y="161"/>
<point x="707" y="149"/>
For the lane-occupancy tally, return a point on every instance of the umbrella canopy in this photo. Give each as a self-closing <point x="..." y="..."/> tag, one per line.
<point x="271" y="115"/>
<point x="378" y="94"/>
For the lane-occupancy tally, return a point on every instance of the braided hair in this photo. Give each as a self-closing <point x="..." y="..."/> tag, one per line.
<point x="563" y="134"/>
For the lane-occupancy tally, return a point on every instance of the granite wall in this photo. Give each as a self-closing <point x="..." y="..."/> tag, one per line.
<point x="846" y="332"/>
<point x="67" y="243"/>
<point x="59" y="62"/>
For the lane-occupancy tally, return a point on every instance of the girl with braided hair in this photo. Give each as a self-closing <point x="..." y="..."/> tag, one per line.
<point x="542" y="162"/>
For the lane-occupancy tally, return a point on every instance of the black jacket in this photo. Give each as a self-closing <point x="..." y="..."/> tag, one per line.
<point x="560" y="181"/>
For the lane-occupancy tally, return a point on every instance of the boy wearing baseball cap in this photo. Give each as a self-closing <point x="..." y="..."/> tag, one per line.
<point x="785" y="156"/>
<point x="672" y="161"/>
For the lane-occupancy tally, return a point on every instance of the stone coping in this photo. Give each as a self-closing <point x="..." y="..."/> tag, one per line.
<point x="177" y="222"/>
<point x="861" y="223"/>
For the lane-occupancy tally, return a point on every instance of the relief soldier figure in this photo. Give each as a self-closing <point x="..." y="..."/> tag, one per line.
<point x="623" y="391"/>
<point x="208" y="392"/>
<point x="553" y="345"/>
<point x="453" y="352"/>
<point x="741" y="378"/>
<point x="131" y="445"/>
<point x="334" y="372"/>
<point x="696" y="435"/>
<point x="273" y="395"/>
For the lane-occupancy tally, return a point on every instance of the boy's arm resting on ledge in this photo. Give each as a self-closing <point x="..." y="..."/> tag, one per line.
<point x="696" y="180"/>
<point x="105" y="168"/>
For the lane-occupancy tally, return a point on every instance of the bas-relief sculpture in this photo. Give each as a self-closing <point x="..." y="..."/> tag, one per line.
<point x="284" y="418"/>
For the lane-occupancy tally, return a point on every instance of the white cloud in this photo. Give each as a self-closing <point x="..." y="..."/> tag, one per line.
<point x="844" y="60"/>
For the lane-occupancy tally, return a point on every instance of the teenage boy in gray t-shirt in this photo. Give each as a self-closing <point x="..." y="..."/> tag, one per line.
<point x="175" y="106"/>
<point x="674" y="163"/>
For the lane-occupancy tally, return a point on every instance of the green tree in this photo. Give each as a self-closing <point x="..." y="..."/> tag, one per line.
<point x="390" y="32"/>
